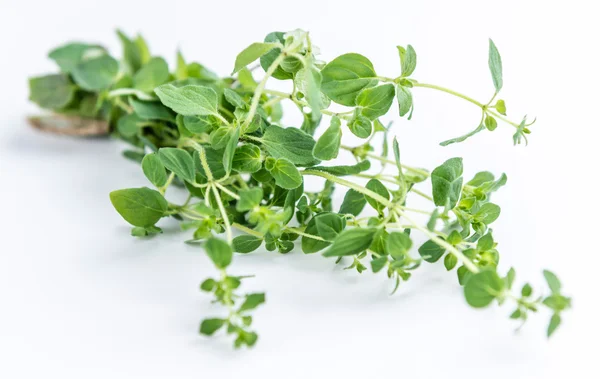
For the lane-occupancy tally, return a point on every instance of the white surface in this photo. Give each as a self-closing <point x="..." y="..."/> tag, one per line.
<point x="80" y="298"/>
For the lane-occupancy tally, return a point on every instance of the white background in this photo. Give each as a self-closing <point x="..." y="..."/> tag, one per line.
<point x="80" y="298"/>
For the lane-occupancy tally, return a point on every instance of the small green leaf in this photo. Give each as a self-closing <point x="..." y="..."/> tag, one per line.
<point x="495" y="63"/>
<point x="353" y="203"/>
<point x="501" y="107"/>
<point x="249" y="199"/>
<point x="328" y="145"/>
<point x="483" y="287"/>
<point x="252" y="53"/>
<point x="151" y="110"/>
<point x="405" y="100"/>
<point x="178" y="161"/>
<point x="526" y="291"/>
<point x="228" y="154"/>
<point x="329" y="225"/>
<point x="462" y="138"/>
<point x="490" y="123"/>
<point x="398" y="244"/>
<point x="252" y="301"/>
<point x="450" y="261"/>
<point x="247" y="158"/>
<point x="488" y="213"/>
<point x="408" y="59"/>
<point x="219" y="252"/>
<point x="139" y="206"/>
<point x="447" y="182"/>
<point x="431" y="252"/>
<point x="308" y="81"/>
<point x="378" y="263"/>
<point x="285" y="173"/>
<point x="51" y="91"/>
<point x="486" y="242"/>
<point x="344" y="170"/>
<point x="96" y="74"/>
<point x="70" y="55"/>
<point x="376" y="101"/>
<point x="351" y="242"/>
<point x="360" y="125"/>
<point x="377" y="187"/>
<point x="552" y="280"/>
<point x="234" y="99"/>
<point x="154" y="170"/>
<point x="347" y="75"/>
<point x="267" y="59"/>
<point x="246" y="243"/>
<point x="289" y="143"/>
<point x="190" y="100"/>
<point x="152" y="74"/>
<point x="553" y="325"/>
<point x="210" y="325"/>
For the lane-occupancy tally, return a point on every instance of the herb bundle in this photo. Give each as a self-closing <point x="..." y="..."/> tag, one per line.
<point x="220" y="139"/>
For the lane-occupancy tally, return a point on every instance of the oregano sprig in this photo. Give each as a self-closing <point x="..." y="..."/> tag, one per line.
<point x="221" y="139"/>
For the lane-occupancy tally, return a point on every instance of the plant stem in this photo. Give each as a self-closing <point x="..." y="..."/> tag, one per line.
<point x="223" y="214"/>
<point x="385" y="160"/>
<point x="247" y="230"/>
<point x="259" y="90"/>
<point x="301" y="233"/>
<point x="224" y="189"/>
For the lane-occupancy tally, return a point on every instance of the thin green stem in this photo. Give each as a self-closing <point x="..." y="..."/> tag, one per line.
<point x="224" y="189"/>
<point x="247" y="230"/>
<point x="301" y="233"/>
<point x="259" y="90"/>
<point x="223" y="214"/>
<point x="389" y="161"/>
<point x="170" y="179"/>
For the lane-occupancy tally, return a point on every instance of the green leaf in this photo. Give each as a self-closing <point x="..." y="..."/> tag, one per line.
<point x="178" y="161"/>
<point x="249" y="198"/>
<point x="151" y="110"/>
<point x="252" y="53"/>
<point x="234" y="99"/>
<point x="329" y="225"/>
<point x="285" y="173"/>
<point x="398" y="244"/>
<point x="408" y="59"/>
<point x="486" y="242"/>
<point x="431" y="252"/>
<point x="554" y="324"/>
<point x="482" y="288"/>
<point x="132" y="56"/>
<point x="447" y="182"/>
<point x="252" y="301"/>
<point x="189" y="100"/>
<point x="351" y="242"/>
<point x="353" y="203"/>
<point x="151" y="75"/>
<point x="405" y="100"/>
<point x="495" y="63"/>
<point x="139" y="206"/>
<point x="154" y="170"/>
<point x="490" y="123"/>
<point x="378" y="263"/>
<point x="311" y="245"/>
<point x="219" y="252"/>
<point x="328" y="145"/>
<point x="228" y="154"/>
<point x="526" y="291"/>
<point x="308" y="81"/>
<point x="376" y="101"/>
<point x="501" y="107"/>
<point x="360" y="125"/>
<point x="128" y="125"/>
<point x="51" y="91"/>
<point x="210" y="325"/>
<point x="552" y="280"/>
<point x="377" y="187"/>
<point x="247" y="158"/>
<point x="347" y="75"/>
<point x="488" y="213"/>
<point x="96" y="74"/>
<point x="246" y="243"/>
<point x="462" y="138"/>
<point x="289" y="143"/>
<point x="70" y="55"/>
<point x="450" y="261"/>
<point x="344" y="170"/>
<point x="267" y="59"/>
<point x="219" y="137"/>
